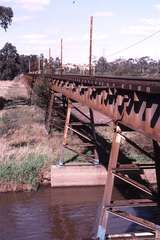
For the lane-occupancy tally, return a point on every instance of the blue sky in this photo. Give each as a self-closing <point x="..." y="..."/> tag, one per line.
<point x="40" y="24"/>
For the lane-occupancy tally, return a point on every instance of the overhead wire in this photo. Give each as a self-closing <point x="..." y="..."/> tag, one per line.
<point x="134" y="44"/>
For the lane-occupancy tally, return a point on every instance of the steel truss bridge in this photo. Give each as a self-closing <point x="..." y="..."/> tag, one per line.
<point x="133" y="104"/>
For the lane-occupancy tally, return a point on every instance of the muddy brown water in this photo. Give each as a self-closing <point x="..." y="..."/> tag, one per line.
<point x="59" y="214"/>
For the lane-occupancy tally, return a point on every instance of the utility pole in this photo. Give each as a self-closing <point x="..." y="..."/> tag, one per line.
<point x="49" y="55"/>
<point x="61" y="56"/>
<point x="90" y="47"/>
<point x="49" y="61"/>
<point x="29" y="64"/>
<point x="39" y="65"/>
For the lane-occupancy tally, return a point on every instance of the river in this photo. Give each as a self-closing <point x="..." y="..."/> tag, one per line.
<point x="59" y="214"/>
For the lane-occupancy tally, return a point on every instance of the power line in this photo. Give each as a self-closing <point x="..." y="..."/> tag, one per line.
<point x="134" y="44"/>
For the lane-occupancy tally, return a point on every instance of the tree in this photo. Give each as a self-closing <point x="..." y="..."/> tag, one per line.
<point x="24" y="64"/>
<point x="143" y="62"/>
<point x="9" y="62"/>
<point x="101" y="65"/>
<point x="57" y="63"/>
<point x="6" y="15"/>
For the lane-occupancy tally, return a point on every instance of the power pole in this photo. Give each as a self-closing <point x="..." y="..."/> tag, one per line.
<point x="61" y="56"/>
<point x="39" y="65"/>
<point x="29" y="65"/>
<point x="49" y="61"/>
<point x="49" y="55"/>
<point x="90" y="47"/>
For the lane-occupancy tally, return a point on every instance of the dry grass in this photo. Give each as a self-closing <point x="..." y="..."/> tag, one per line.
<point x="24" y="133"/>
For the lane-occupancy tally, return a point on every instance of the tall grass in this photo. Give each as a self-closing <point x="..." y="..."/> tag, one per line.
<point x="22" y="172"/>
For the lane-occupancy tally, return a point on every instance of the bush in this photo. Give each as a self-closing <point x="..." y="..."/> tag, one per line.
<point x="41" y="93"/>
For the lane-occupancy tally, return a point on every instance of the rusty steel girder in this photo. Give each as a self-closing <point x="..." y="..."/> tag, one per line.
<point x="137" y="109"/>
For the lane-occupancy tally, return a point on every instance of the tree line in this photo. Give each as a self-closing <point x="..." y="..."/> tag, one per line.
<point x="12" y="63"/>
<point x="144" y="66"/>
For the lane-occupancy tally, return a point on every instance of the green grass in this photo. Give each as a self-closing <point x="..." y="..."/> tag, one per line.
<point x="23" y="172"/>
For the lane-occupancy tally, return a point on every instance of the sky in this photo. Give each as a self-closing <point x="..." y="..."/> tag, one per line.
<point x="40" y="24"/>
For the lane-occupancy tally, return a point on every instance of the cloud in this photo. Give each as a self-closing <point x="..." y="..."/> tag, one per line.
<point x="157" y="6"/>
<point x="145" y="27"/>
<point x="20" y="19"/>
<point x="33" y="5"/>
<point x="150" y="21"/>
<point x="34" y="36"/>
<point x="103" y="14"/>
<point x="140" y="30"/>
<point x="30" y="5"/>
<point x="36" y="41"/>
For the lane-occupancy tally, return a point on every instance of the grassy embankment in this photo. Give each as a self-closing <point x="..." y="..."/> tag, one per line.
<point x="26" y="150"/>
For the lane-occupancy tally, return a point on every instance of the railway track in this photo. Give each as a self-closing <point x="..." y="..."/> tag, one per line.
<point x="142" y="84"/>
